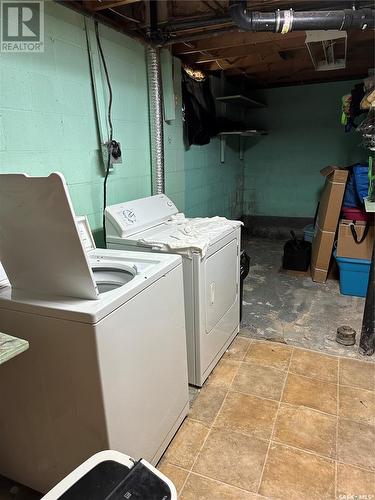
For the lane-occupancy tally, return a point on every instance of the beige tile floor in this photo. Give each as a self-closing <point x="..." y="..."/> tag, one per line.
<point x="276" y="421"/>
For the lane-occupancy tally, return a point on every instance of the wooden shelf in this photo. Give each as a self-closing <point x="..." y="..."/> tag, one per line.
<point x="241" y="100"/>
<point x="244" y="133"/>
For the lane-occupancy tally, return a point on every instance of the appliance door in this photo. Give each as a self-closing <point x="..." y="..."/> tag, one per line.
<point x="221" y="283"/>
<point x="40" y="247"/>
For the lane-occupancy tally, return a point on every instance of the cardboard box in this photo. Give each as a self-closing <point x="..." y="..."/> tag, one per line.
<point x="331" y="198"/>
<point x="346" y="245"/>
<point x="321" y="254"/>
<point x="327" y="220"/>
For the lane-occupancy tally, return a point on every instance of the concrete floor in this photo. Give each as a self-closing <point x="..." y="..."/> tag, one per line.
<point x="293" y="309"/>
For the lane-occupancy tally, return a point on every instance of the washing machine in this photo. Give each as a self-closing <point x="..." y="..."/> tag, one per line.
<point x="210" y="249"/>
<point x="106" y="367"/>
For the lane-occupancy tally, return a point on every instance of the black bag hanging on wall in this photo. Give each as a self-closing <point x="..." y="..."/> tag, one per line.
<point x="199" y="110"/>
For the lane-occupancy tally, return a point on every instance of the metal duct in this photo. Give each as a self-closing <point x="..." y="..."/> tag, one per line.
<point x="284" y="21"/>
<point x="156" y="119"/>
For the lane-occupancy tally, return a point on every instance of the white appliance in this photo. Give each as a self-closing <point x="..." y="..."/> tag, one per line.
<point x="114" y="476"/>
<point x="106" y="366"/>
<point x="3" y="277"/>
<point x="211" y="278"/>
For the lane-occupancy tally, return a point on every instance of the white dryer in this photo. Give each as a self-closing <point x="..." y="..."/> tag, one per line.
<point x="106" y="367"/>
<point x="211" y="260"/>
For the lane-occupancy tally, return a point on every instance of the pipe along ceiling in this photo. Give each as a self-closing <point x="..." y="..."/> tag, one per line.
<point x="284" y="21"/>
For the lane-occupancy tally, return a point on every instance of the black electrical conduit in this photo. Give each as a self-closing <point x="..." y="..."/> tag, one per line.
<point x="284" y="21"/>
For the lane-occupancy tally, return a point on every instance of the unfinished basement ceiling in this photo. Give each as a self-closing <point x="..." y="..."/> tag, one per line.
<point x="202" y="34"/>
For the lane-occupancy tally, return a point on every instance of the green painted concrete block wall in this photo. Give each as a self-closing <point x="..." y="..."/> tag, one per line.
<point x="282" y="169"/>
<point x="195" y="179"/>
<point x="214" y="188"/>
<point x="48" y="123"/>
<point x="48" y="116"/>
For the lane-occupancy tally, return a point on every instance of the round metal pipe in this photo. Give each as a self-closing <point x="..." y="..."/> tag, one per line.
<point x="347" y="19"/>
<point x="289" y="20"/>
<point x="156" y="119"/>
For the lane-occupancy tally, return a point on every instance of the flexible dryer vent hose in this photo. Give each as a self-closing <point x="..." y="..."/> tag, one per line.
<point x="156" y="119"/>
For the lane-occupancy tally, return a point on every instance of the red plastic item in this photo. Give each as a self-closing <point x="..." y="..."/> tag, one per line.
<point x="355" y="214"/>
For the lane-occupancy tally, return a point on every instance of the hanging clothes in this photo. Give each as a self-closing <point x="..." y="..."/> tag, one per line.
<point x="199" y="110"/>
<point x="353" y="102"/>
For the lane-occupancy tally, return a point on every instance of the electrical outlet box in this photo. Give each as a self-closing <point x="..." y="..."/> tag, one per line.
<point x="106" y="150"/>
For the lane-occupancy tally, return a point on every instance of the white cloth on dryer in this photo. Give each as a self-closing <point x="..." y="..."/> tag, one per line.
<point x="190" y="236"/>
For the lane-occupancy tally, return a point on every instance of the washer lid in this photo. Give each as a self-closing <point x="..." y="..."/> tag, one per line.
<point x="40" y="247"/>
<point x="85" y="233"/>
<point x="131" y="217"/>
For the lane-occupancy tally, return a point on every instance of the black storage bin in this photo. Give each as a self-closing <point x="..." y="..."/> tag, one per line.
<point x="244" y="271"/>
<point x="297" y="254"/>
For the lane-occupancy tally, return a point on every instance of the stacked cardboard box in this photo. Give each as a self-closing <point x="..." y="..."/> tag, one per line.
<point x="327" y="220"/>
<point x="346" y="244"/>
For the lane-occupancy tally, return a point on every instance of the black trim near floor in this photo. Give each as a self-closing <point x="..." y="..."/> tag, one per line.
<point x="265" y="226"/>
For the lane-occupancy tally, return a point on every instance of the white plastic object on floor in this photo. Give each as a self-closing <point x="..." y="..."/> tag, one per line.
<point x="112" y="458"/>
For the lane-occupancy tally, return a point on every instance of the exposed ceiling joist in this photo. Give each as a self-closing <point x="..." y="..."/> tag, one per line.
<point x="235" y="40"/>
<point x="223" y="42"/>
<point x="302" y="69"/>
<point x="300" y="78"/>
<point x="203" y="34"/>
<point x="96" y="5"/>
<point x="260" y="50"/>
<point x="273" y="63"/>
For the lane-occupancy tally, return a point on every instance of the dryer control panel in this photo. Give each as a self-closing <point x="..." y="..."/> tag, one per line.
<point x="131" y="217"/>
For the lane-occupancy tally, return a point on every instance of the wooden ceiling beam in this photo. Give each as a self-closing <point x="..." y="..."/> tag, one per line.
<point x="97" y="5"/>
<point x="272" y="64"/>
<point x="235" y="39"/>
<point x="303" y="77"/>
<point x="304" y="71"/>
<point x="218" y="43"/>
<point x="261" y="50"/>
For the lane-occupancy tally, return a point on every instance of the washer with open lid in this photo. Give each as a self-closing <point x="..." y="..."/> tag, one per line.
<point x="106" y="368"/>
<point x="107" y="275"/>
